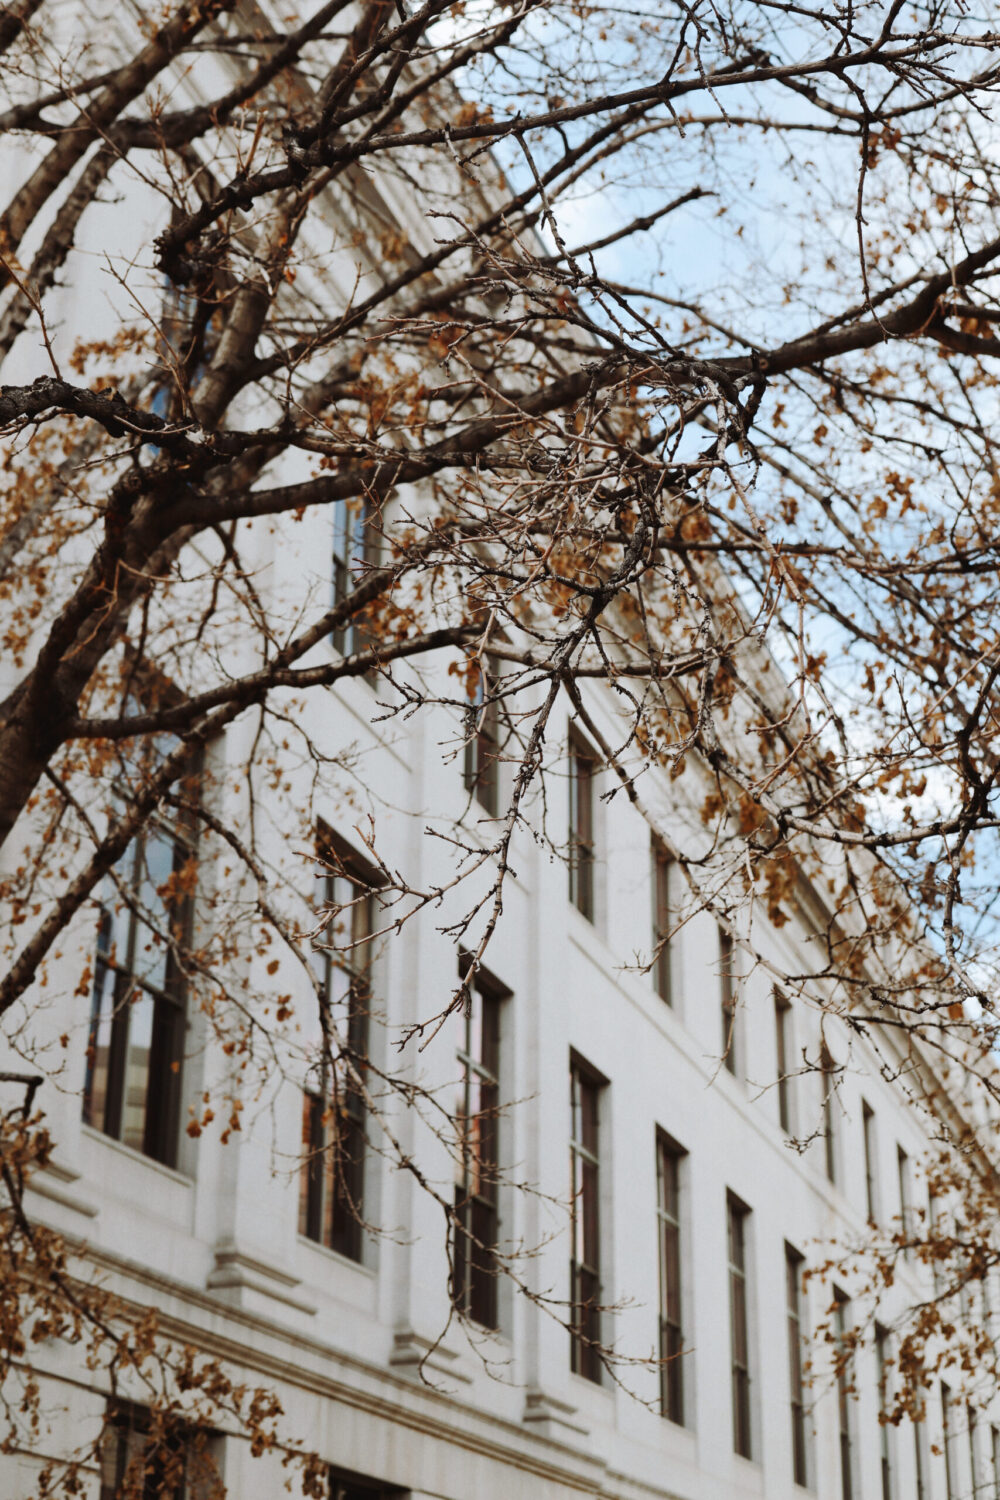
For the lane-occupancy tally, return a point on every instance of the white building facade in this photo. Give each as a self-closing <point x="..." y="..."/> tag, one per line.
<point x="693" y="1213"/>
<point x="650" y="1129"/>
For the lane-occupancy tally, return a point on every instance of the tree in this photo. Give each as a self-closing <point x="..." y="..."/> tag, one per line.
<point x="682" y="385"/>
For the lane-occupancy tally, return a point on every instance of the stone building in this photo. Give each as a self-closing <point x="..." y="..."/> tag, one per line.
<point x="648" y="1124"/>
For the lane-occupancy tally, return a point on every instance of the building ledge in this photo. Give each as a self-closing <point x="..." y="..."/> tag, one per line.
<point x="235" y="1274"/>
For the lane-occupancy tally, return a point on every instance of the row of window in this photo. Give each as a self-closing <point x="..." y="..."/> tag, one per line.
<point x="132" y="1084"/>
<point x="150" y="1460"/>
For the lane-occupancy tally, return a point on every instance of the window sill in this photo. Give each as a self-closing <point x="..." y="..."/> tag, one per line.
<point x="599" y="1388"/>
<point x="89" y="1132"/>
<point x="480" y="1336"/>
<point x="336" y="1257"/>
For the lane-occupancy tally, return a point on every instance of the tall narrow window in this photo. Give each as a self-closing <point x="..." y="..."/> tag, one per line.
<point x="995" y="1454"/>
<point x="355" y="551"/>
<point x="135" y="1044"/>
<point x="970" y="1415"/>
<point x="739" y="1325"/>
<point x="661" y="921"/>
<point x="782" y="1027"/>
<point x="141" y="1459"/>
<point x="871" y="1180"/>
<point x="796" y="1385"/>
<point x="934" y="1225"/>
<point x="581" y="826"/>
<point x="885" y="1436"/>
<point x="827" y="1077"/>
<point x="668" y="1163"/>
<point x="585" y="1256"/>
<point x="477" y="1122"/>
<point x="920" y="1459"/>
<point x="841" y="1325"/>
<point x="905" y="1215"/>
<point x="946" y="1437"/>
<point x="727" y="995"/>
<point x="964" y="1289"/>
<point x="482" y="748"/>
<point x="332" y="1188"/>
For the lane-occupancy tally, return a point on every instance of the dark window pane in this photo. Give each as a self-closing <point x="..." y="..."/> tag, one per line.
<point x="482" y="748"/>
<point x="728" y="999"/>
<point x="581" y="828"/>
<point x="840" y="1327"/>
<point x="793" y="1275"/>
<point x="738" y="1328"/>
<point x="355" y="551"/>
<point x="476" y="1117"/>
<point x="585" y="1278"/>
<point x="661" y="922"/>
<point x="136" y="1034"/>
<point x="138" y="1464"/>
<point x="332" y="1187"/>
<point x="671" y="1328"/>
<point x="782" y="1014"/>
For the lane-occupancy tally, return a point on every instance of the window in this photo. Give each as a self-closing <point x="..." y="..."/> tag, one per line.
<point x="946" y="1435"/>
<point x="920" y="1459"/>
<point x="841" y="1309"/>
<point x="782" y="1027"/>
<point x="477" y="1122"/>
<point x="582" y="768"/>
<point x="796" y="1385"/>
<point x="344" y="1486"/>
<point x="934" y="1224"/>
<point x="332" y="1185"/>
<point x="661" y="863"/>
<point x="728" y="997"/>
<point x="995" y="1454"/>
<point x="970" y="1414"/>
<point x="885" y="1435"/>
<point x="668" y="1175"/>
<point x="964" y="1289"/>
<point x="482" y="748"/>
<point x="135" y="1043"/>
<point x="585" y="1255"/>
<point x="905" y="1215"/>
<point x="827" y="1074"/>
<point x="871" y="1180"/>
<point x="739" y="1326"/>
<point x="143" y="1460"/>
<point x="355" y="552"/>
